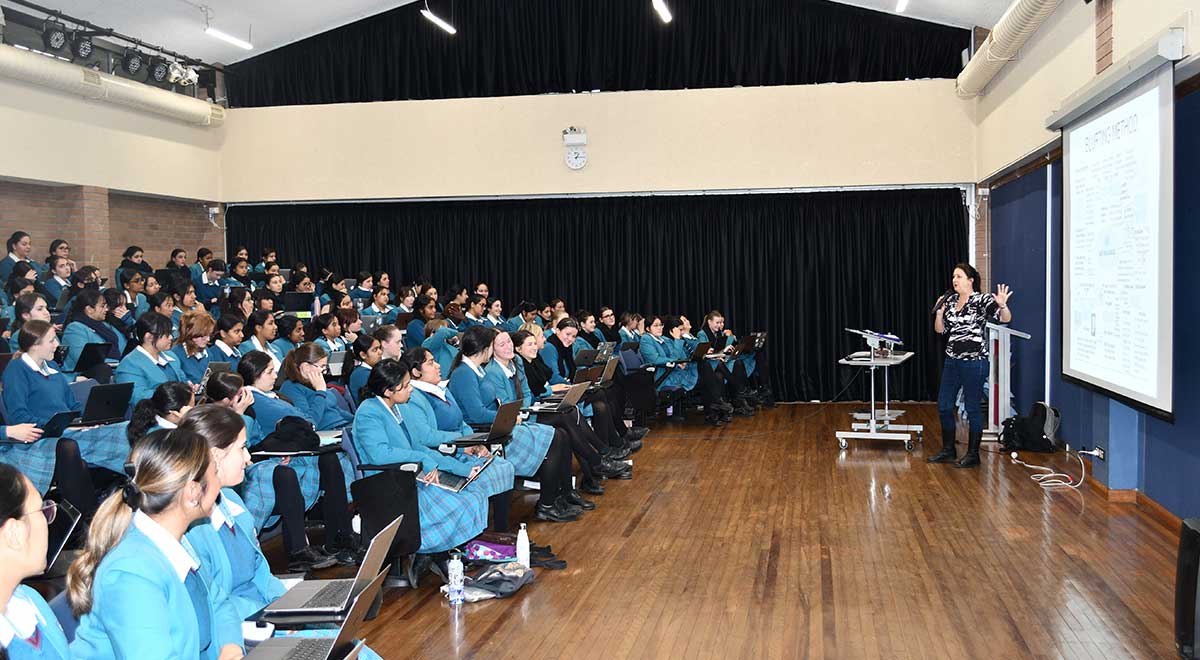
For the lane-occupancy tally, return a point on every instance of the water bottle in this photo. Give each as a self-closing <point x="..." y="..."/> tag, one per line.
<point x="456" y="590"/>
<point x="523" y="547"/>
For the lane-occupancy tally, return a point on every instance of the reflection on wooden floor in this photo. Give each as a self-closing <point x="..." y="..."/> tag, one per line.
<point x="763" y="540"/>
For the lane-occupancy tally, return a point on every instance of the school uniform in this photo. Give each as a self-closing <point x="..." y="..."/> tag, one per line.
<point x="320" y="407"/>
<point x="222" y="352"/>
<point x="208" y="292"/>
<point x="253" y="344"/>
<point x="658" y="351"/>
<point x="514" y="323"/>
<point x="443" y="352"/>
<point x="719" y="344"/>
<point x="358" y="380"/>
<point x="494" y="321"/>
<point x="54" y="286"/>
<point x="196" y="271"/>
<point x="448" y="519"/>
<point x="133" y="303"/>
<point x="359" y="293"/>
<point x="148" y="601"/>
<point x="258" y="488"/>
<point x="8" y="263"/>
<point x="628" y="337"/>
<point x="77" y="335"/>
<point x="372" y="310"/>
<point x="433" y="418"/>
<point x="147" y="373"/>
<point x="416" y="333"/>
<point x="479" y="401"/>
<point x="331" y="346"/>
<point x="468" y="322"/>
<point x="283" y="346"/>
<point x="29" y="630"/>
<point x="192" y="366"/>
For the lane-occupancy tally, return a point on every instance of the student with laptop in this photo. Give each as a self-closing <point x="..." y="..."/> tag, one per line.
<point x="28" y="629"/>
<point x="137" y="587"/>
<point x="151" y="363"/>
<point x="86" y="325"/>
<point x="304" y="385"/>
<point x="34" y="392"/>
<point x="434" y="419"/>
<point x="535" y="448"/>
<point x="673" y="370"/>
<point x="379" y="303"/>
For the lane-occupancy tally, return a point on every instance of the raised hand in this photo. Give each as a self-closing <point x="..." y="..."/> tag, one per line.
<point x="1002" y="294"/>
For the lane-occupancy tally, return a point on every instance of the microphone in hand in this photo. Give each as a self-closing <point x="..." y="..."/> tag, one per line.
<point x="941" y="302"/>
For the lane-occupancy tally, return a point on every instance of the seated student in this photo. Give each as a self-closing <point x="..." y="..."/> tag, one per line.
<point x="351" y="322"/>
<point x="238" y="303"/>
<point x="264" y="300"/>
<point x="226" y="340"/>
<point x="191" y="347"/>
<point x="428" y="290"/>
<point x="239" y="272"/>
<point x="119" y="316"/>
<point x="545" y="315"/>
<point x="304" y="385"/>
<point x="366" y="351"/>
<point x="495" y="314"/>
<point x="35" y="391"/>
<point x="151" y="363"/>
<point x="731" y="376"/>
<point x="473" y="313"/>
<point x="405" y="305"/>
<point x="86" y="325"/>
<point x="290" y="331"/>
<point x="526" y="312"/>
<point x="588" y="328"/>
<point x="162" y="410"/>
<point x="330" y="282"/>
<point x="87" y="277"/>
<point x="60" y="248"/>
<point x="275" y="489"/>
<point x="380" y="437"/>
<point x="535" y="448"/>
<point x="203" y="256"/>
<point x="454" y="312"/>
<point x="506" y="375"/>
<point x="133" y="258"/>
<point x="379" y="303"/>
<point x="20" y="247"/>
<point x="746" y="370"/>
<point x="439" y="340"/>
<point x="163" y="303"/>
<point x="209" y="286"/>
<point x="260" y="331"/>
<point x="433" y="417"/>
<point x="425" y="311"/>
<point x="137" y="587"/>
<point x="59" y="279"/>
<point x="382" y="279"/>
<point x="481" y="289"/>
<point x="269" y="256"/>
<point x="24" y="275"/>
<point x="337" y="300"/>
<point x="391" y="341"/>
<point x="240" y="252"/>
<point x="673" y="370"/>
<point x="326" y="332"/>
<point x="633" y="327"/>
<point x="28" y="628"/>
<point x="151" y="287"/>
<point x="302" y="282"/>
<point x="178" y="261"/>
<point x="28" y="307"/>
<point x="274" y="285"/>
<point x="184" y="295"/>
<point x="257" y="370"/>
<point x="362" y="290"/>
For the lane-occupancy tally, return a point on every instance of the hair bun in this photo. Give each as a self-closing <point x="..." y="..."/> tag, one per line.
<point x="132" y="495"/>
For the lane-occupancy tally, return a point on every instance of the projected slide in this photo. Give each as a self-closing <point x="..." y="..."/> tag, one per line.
<point x="1117" y="316"/>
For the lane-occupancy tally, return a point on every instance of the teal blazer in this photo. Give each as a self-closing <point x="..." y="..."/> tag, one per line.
<point x="140" y="607"/>
<point x="321" y="407"/>
<point x="379" y="440"/>
<point x="77" y="335"/>
<point x="232" y="603"/>
<point x="145" y="375"/>
<point x="54" y="640"/>
<point x="248" y="346"/>
<point x="442" y="352"/>
<point x="421" y="423"/>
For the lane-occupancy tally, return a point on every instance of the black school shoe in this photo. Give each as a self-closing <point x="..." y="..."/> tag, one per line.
<point x="308" y="559"/>
<point x="555" y="513"/>
<point x="577" y="498"/>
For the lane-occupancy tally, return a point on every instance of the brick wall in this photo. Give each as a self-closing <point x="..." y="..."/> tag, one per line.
<point x="100" y="224"/>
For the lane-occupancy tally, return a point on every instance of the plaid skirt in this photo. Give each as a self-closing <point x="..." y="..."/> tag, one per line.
<point x="35" y="460"/>
<point x="449" y="519"/>
<point x="104" y="446"/>
<point x="528" y="447"/>
<point x="258" y="488"/>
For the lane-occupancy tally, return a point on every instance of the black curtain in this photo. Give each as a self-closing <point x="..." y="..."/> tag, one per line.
<point x="801" y="266"/>
<point x="517" y="47"/>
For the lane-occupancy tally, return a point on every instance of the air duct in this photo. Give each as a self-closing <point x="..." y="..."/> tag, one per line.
<point x="55" y="74"/>
<point x="1022" y="19"/>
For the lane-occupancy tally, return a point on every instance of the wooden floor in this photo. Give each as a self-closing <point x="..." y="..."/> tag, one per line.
<point x="763" y="540"/>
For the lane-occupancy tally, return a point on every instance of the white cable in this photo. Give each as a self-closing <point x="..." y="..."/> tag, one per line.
<point x="1049" y="479"/>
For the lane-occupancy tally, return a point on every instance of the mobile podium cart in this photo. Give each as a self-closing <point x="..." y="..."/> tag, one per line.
<point x="999" y="378"/>
<point x="879" y="424"/>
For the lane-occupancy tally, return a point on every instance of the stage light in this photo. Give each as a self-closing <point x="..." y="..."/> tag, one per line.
<point x="178" y="74"/>
<point x="157" y="70"/>
<point x="901" y="6"/>
<point x="133" y="62"/>
<point x="664" y="12"/>
<point x="228" y="38"/>
<point x="436" y="20"/>
<point x="81" y="46"/>
<point x="54" y="36"/>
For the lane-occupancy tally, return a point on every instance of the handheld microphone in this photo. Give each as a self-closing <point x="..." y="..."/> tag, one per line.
<point x="941" y="301"/>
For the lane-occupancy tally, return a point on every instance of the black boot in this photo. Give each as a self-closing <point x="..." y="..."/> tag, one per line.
<point x="971" y="458"/>
<point x="947" y="454"/>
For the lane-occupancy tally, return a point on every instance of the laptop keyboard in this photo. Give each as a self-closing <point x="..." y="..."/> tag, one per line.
<point x="311" y="649"/>
<point x="331" y="595"/>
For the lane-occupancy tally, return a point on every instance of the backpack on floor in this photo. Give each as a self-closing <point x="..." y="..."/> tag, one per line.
<point x="1034" y="432"/>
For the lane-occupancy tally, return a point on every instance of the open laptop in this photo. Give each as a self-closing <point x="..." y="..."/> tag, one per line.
<point x="91" y="356"/>
<point x="604" y="351"/>
<point x="455" y="483"/>
<point x="370" y="323"/>
<point x="502" y="426"/>
<point x="586" y="357"/>
<point x="106" y="404"/>
<point x="213" y="368"/>
<point x="700" y="351"/>
<point x="569" y="400"/>
<point x="589" y="375"/>
<point x="296" y="301"/>
<point x="341" y="647"/>
<point x="610" y="368"/>
<point x="58" y="533"/>
<point x="337" y="362"/>
<point x="331" y="596"/>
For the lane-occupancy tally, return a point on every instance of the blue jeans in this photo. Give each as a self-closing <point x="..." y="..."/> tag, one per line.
<point x="967" y="375"/>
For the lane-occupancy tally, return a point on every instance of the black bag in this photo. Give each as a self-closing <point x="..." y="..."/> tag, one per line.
<point x="383" y="496"/>
<point x="1034" y="432"/>
<point x="291" y="434"/>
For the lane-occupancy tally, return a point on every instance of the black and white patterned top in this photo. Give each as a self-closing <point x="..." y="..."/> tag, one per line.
<point x="965" y="327"/>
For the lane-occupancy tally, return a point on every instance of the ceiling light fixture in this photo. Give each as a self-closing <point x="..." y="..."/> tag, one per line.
<point x="664" y="12"/>
<point x="437" y="20"/>
<point x="228" y="38"/>
<point x="901" y="6"/>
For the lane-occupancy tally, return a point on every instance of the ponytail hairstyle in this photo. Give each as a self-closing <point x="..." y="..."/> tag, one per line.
<point x="218" y="425"/>
<point x="363" y="276"/>
<point x="151" y="323"/>
<point x="708" y="318"/>
<point x="629" y="319"/>
<point x="169" y="397"/>
<point x="524" y="307"/>
<point x="87" y="297"/>
<point x="387" y="375"/>
<point x="226" y="323"/>
<point x="32" y="331"/>
<point x="582" y="316"/>
<point x="160" y="466"/>
<point x="335" y="299"/>
<point x="193" y="325"/>
<point x="567" y="322"/>
<point x="232" y="304"/>
<point x="669" y="323"/>
<point x="359" y="348"/>
<point x="180" y="291"/>
<point x="317" y="327"/>
<point x="252" y="365"/>
<point x="174" y="253"/>
<point x="256" y="320"/>
<point x="16" y="237"/>
<point x="155" y="301"/>
<point x="304" y="353"/>
<point x="201" y="253"/>
<point x="285" y="326"/>
<point x="16" y="286"/>
<point x="223" y="385"/>
<point x="474" y="341"/>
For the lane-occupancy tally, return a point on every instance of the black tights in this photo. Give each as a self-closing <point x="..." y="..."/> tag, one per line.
<point x="584" y="443"/>
<point x="709" y="384"/>
<point x="554" y="474"/>
<point x="334" y="505"/>
<point x="73" y="479"/>
<point x="289" y="504"/>
<point x="735" y="379"/>
<point x="604" y="423"/>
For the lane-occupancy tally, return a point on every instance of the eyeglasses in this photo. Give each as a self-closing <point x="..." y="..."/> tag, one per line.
<point x="49" y="509"/>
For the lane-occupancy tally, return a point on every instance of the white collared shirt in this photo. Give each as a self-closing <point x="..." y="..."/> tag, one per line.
<point x="390" y="409"/>
<point x="508" y="373"/>
<point x="474" y="367"/>
<point x="274" y="359"/>
<point x="218" y="517"/>
<point x="61" y="281"/>
<point x="160" y="361"/>
<point x="21" y="618"/>
<point x="224" y="348"/>
<point x="382" y="310"/>
<point x="430" y="388"/>
<point x="14" y="257"/>
<point x="495" y="319"/>
<point x="45" y="369"/>
<point x="164" y="423"/>
<point x="258" y="391"/>
<point x="204" y="278"/>
<point x="181" y="560"/>
<point x="472" y="316"/>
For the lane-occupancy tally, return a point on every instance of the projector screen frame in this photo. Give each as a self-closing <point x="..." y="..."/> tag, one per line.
<point x="1162" y="80"/>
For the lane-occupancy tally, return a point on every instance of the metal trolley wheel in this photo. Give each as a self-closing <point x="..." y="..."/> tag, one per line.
<point x="842" y="443"/>
<point x="908" y="445"/>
